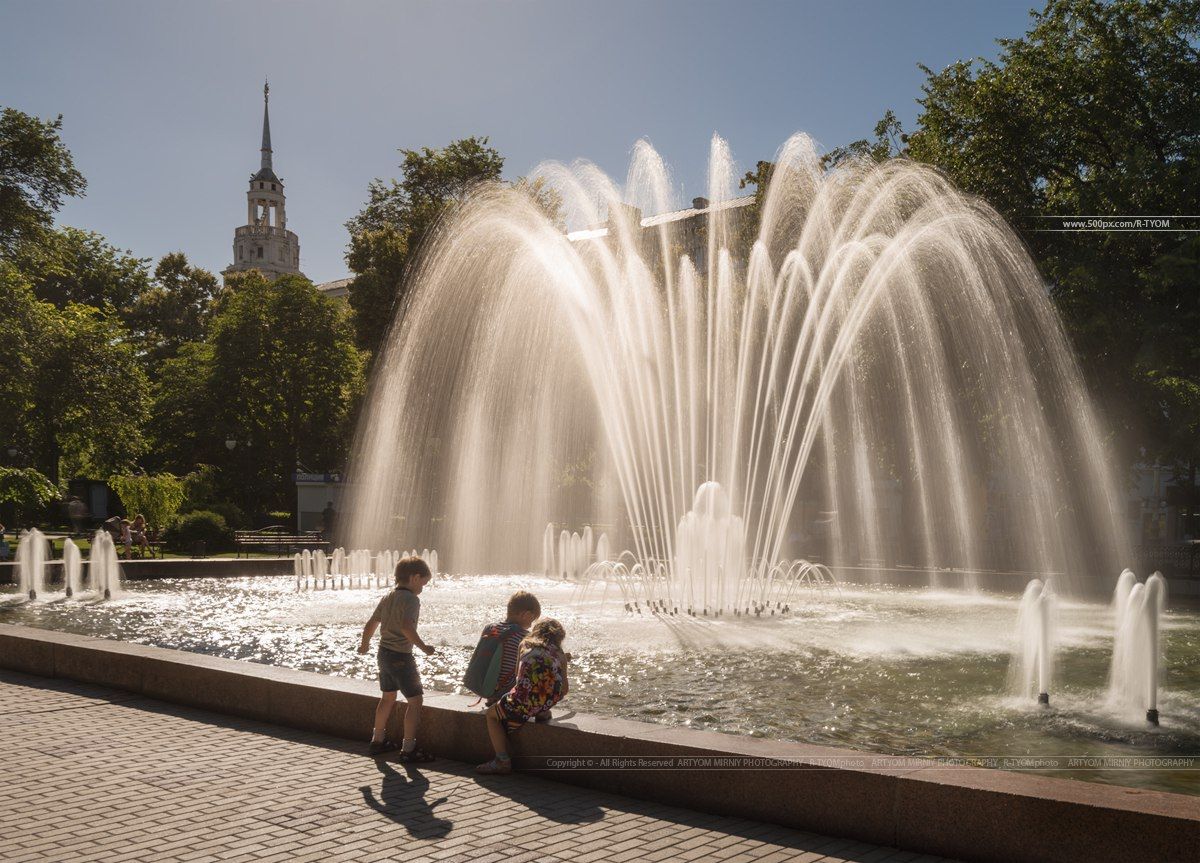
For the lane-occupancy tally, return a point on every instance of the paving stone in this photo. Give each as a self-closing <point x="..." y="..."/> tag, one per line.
<point x="158" y="782"/>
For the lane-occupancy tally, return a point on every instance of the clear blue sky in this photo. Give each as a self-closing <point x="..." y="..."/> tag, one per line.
<point x="162" y="99"/>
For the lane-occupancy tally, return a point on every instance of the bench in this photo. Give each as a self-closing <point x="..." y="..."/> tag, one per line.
<point x="276" y="538"/>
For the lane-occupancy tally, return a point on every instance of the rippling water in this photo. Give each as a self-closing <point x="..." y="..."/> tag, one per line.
<point x="897" y="671"/>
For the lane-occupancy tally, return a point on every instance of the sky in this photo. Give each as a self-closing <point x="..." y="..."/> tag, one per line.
<point x="162" y="99"/>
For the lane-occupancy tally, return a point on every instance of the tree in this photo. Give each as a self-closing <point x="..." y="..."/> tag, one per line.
<point x="174" y="310"/>
<point x="89" y="394"/>
<point x="183" y="429"/>
<point x="36" y="174"/>
<point x="156" y="497"/>
<point x="77" y="394"/>
<point x="1095" y="111"/>
<point x="74" y="266"/>
<point x="279" y="375"/>
<point x="398" y="216"/>
<point x="25" y="493"/>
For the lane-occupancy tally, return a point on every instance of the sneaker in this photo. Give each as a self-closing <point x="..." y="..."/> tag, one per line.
<point x="416" y="756"/>
<point x="382" y="747"/>
<point x="495" y="767"/>
<point x="544" y="716"/>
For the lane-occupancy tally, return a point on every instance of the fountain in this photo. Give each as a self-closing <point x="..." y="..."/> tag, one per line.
<point x="104" y="572"/>
<point x="866" y="341"/>
<point x="1032" y="664"/>
<point x="355" y="569"/>
<point x="72" y="565"/>
<point x="1137" y="654"/>
<point x="31" y="563"/>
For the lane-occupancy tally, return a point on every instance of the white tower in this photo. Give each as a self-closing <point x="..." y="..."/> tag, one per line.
<point x="264" y="242"/>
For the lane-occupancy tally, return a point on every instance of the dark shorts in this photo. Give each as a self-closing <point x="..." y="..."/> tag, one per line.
<point x="399" y="671"/>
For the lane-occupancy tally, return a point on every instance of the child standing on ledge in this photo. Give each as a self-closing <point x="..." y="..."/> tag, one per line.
<point x="398" y="613"/>
<point x="541" y="683"/>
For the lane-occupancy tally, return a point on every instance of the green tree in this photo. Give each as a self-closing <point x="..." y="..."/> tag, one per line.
<point x="24" y="494"/>
<point x="22" y="320"/>
<point x="157" y="497"/>
<point x="279" y="375"/>
<point x="182" y="427"/>
<point x="36" y="174"/>
<point x="90" y="395"/>
<point x="77" y="393"/>
<point x="1095" y="111"/>
<point x="398" y="216"/>
<point x="75" y="266"/>
<point x="174" y="310"/>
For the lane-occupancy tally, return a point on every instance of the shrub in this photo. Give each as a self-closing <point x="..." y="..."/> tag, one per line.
<point x="196" y="526"/>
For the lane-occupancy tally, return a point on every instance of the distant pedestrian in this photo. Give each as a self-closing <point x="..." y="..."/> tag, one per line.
<point x="397" y="614"/>
<point x="328" y="520"/>
<point x="77" y="511"/>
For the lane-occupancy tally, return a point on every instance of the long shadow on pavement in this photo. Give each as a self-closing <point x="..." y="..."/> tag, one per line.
<point x="402" y="799"/>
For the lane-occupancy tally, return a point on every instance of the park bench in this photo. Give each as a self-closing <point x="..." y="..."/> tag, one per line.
<point x="277" y="538"/>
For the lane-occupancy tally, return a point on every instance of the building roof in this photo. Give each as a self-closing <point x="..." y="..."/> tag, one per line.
<point x="336" y="288"/>
<point x="265" y="171"/>
<point x="666" y="218"/>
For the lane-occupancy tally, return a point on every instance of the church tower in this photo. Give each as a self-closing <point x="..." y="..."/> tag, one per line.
<point x="264" y="242"/>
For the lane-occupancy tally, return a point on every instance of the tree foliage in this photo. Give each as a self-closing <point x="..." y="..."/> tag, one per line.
<point x="25" y="492"/>
<point x="36" y="174"/>
<point x="75" y="380"/>
<point x="69" y="265"/>
<point x="398" y="216"/>
<point x="1095" y="111"/>
<point x="279" y="375"/>
<point x="174" y="310"/>
<point x="157" y="497"/>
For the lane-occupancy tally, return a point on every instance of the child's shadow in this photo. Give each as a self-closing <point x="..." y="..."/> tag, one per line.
<point x="402" y="799"/>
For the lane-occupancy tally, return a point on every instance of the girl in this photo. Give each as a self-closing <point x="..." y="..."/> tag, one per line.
<point x="541" y="682"/>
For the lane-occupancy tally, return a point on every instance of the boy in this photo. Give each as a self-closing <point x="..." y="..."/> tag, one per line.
<point x="398" y="613"/>
<point x="523" y="609"/>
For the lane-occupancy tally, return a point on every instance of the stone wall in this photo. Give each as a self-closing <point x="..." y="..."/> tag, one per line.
<point x="969" y="813"/>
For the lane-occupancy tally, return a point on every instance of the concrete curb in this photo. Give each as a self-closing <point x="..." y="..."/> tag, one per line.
<point x="174" y="567"/>
<point x="968" y="813"/>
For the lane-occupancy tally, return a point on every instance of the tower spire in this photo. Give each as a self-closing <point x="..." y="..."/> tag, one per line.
<point x="266" y="142"/>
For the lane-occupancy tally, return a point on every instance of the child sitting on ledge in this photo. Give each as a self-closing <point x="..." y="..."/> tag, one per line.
<point x="540" y="684"/>
<point x="492" y="670"/>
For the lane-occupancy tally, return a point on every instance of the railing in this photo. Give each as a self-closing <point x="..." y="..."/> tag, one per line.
<point x="261" y="231"/>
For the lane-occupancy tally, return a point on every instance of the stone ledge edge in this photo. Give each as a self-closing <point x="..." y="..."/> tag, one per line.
<point x="968" y="813"/>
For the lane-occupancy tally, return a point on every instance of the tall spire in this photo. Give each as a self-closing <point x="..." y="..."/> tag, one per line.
<point x="266" y="144"/>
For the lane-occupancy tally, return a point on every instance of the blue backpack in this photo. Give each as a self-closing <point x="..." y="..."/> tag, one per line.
<point x="483" y="671"/>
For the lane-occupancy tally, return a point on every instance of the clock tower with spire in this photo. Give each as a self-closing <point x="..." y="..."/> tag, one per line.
<point x="264" y="242"/>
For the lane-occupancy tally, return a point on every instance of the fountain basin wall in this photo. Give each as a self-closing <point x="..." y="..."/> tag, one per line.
<point x="973" y="814"/>
<point x="206" y="567"/>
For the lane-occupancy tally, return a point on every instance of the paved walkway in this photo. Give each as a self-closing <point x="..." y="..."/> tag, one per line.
<point x="94" y="774"/>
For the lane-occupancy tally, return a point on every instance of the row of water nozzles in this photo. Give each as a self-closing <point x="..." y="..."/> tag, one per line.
<point x="658" y="606"/>
<point x="1137" y="652"/>
<point x="357" y="568"/>
<point x="573" y="553"/>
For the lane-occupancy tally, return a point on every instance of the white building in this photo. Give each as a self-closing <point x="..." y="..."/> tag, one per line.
<point x="264" y="242"/>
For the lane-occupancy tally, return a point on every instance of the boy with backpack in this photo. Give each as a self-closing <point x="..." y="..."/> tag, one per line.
<point x="493" y="667"/>
<point x="398" y="613"/>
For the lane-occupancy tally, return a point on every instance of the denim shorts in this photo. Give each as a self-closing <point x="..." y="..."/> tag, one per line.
<point x="399" y="671"/>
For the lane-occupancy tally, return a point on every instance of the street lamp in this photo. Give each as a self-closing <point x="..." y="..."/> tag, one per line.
<point x="230" y="444"/>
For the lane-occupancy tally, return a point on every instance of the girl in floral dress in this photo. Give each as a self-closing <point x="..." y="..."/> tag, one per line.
<point x="541" y="682"/>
